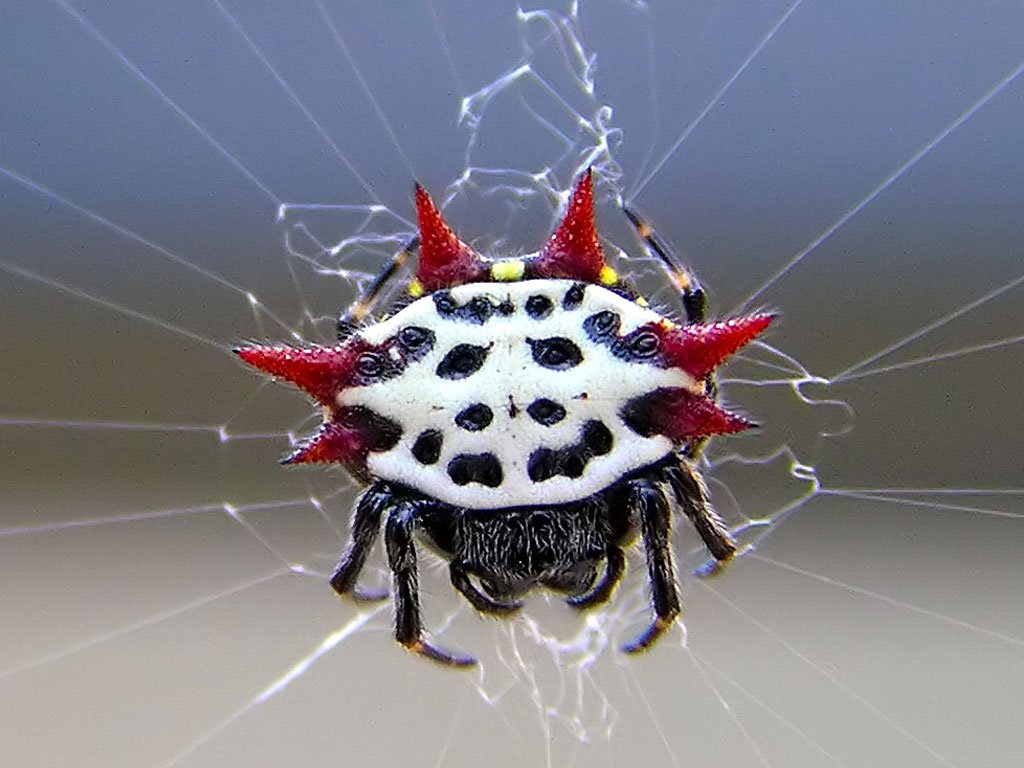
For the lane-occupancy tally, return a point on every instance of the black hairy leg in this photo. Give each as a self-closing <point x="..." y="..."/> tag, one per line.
<point x="692" y="498"/>
<point x="483" y="603"/>
<point x="602" y="591"/>
<point x="647" y="498"/>
<point x="363" y="305"/>
<point x="565" y="558"/>
<point x="365" y="525"/>
<point x="398" y="537"/>
<point x="691" y="294"/>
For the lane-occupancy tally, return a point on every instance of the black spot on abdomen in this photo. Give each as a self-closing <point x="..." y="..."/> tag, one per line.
<point x="574" y="296"/>
<point x="597" y="438"/>
<point x="427" y="448"/>
<point x="475" y="417"/>
<point x="380" y="432"/>
<point x="373" y="366"/>
<point x="642" y="345"/>
<point x="640" y="413"/>
<point x="478" y="310"/>
<point x="555" y="352"/>
<point x="483" y="468"/>
<point x="461" y="361"/>
<point x="415" y="342"/>
<point x="546" y="463"/>
<point x="384" y="362"/>
<point x="546" y="412"/>
<point x="539" y="306"/>
<point x="602" y="325"/>
<point x="570" y="461"/>
<point x="542" y="465"/>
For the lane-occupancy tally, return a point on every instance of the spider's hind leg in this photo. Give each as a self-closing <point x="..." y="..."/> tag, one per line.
<point x="365" y="525"/>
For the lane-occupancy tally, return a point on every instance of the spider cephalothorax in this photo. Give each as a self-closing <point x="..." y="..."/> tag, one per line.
<point x="530" y="416"/>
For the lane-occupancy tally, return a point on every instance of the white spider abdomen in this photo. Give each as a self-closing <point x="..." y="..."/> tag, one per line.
<point x="519" y="399"/>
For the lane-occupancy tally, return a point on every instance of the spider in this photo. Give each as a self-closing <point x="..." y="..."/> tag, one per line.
<point x="527" y="418"/>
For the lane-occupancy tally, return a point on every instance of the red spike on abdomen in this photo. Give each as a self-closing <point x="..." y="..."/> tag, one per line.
<point x="444" y="260"/>
<point x="333" y="443"/>
<point x="700" y="348"/>
<point x="681" y="416"/>
<point x="574" y="251"/>
<point x="320" y="371"/>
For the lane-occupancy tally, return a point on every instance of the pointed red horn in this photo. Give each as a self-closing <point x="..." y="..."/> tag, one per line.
<point x="681" y="416"/>
<point x="444" y="260"/>
<point x="700" y="348"/>
<point x="574" y="251"/>
<point x="333" y="443"/>
<point x="320" y="371"/>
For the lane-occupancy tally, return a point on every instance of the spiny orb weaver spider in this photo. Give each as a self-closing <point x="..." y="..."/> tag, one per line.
<point x="527" y="417"/>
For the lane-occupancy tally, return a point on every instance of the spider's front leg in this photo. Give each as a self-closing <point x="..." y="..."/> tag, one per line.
<point x="691" y="294"/>
<point x="483" y="603"/>
<point x="365" y="524"/>
<point x="602" y="591"/>
<point x="362" y="306"/>
<point x="398" y="536"/>
<point x="648" y="500"/>
<point x="695" y="302"/>
<point x="692" y="497"/>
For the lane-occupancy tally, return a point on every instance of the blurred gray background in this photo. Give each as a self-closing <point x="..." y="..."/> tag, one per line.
<point x="178" y="176"/>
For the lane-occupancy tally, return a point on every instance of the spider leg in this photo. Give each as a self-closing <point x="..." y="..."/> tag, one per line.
<point x="480" y="601"/>
<point x="398" y="536"/>
<point x="692" y="295"/>
<point x="360" y="308"/>
<point x="649" y="500"/>
<point x="694" y="299"/>
<point x="692" y="497"/>
<point x="602" y="591"/>
<point x="365" y="525"/>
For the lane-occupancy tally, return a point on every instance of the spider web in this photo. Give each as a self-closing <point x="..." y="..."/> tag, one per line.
<point x="177" y="179"/>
